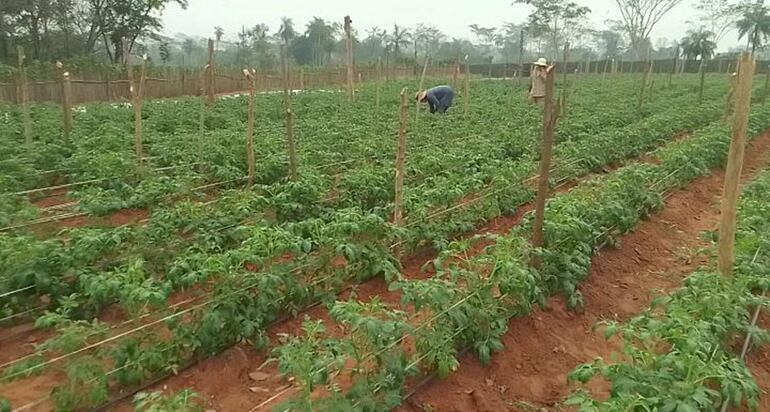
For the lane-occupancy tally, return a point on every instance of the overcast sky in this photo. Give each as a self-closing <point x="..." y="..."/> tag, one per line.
<point x="450" y="16"/>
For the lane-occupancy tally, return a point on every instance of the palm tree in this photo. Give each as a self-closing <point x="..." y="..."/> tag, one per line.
<point x="322" y="36"/>
<point x="754" y="25"/>
<point x="286" y="32"/>
<point x="218" y="33"/>
<point x="698" y="43"/>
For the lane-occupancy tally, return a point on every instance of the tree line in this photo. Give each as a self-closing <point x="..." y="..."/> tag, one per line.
<point x="101" y="31"/>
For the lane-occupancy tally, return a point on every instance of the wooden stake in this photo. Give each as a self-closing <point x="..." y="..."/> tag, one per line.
<point x="676" y="64"/>
<point x="644" y="88"/>
<point x="400" y="160"/>
<point x="726" y="252"/>
<point x="520" y="71"/>
<point x="66" y="88"/>
<point x="377" y="82"/>
<point x="210" y="73"/>
<point x="27" y="118"/>
<point x="564" y="87"/>
<point x="730" y="95"/>
<point x="137" y="91"/>
<point x="202" y="117"/>
<point x="290" y="146"/>
<point x="349" y="60"/>
<point x="467" y="89"/>
<point x="702" y="71"/>
<point x="550" y="117"/>
<point x="250" y="127"/>
<point x="455" y="73"/>
<point x="419" y="89"/>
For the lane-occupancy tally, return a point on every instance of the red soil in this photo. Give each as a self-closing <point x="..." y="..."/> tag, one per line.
<point x="541" y="349"/>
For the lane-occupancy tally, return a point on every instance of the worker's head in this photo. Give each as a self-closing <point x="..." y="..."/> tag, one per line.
<point x="421" y="96"/>
<point x="541" y="63"/>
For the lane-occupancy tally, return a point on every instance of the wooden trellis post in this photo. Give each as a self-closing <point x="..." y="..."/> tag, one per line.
<point x="202" y="116"/>
<point x="520" y="70"/>
<point x="726" y="247"/>
<point x="550" y="116"/>
<point x="676" y="65"/>
<point x="250" y="127"/>
<point x="455" y="74"/>
<point x="467" y="88"/>
<point x="564" y="87"/>
<point x="419" y="89"/>
<point x="377" y="82"/>
<point x="65" y="90"/>
<point x="702" y="72"/>
<point x="290" y="146"/>
<point x="730" y="95"/>
<point x="400" y="161"/>
<point x="23" y="86"/>
<point x="645" y="78"/>
<point x="210" y="73"/>
<point x="137" y="92"/>
<point x="349" y="59"/>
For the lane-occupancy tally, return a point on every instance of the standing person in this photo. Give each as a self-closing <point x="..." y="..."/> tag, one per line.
<point x="537" y="79"/>
<point x="438" y="98"/>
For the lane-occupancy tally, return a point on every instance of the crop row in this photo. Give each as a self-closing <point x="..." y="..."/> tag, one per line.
<point x="190" y="230"/>
<point x="679" y="354"/>
<point x="468" y="302"/>
<point x="276" y="270"/>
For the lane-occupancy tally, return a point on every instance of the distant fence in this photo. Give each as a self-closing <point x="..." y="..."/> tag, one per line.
<point x="600" y="66"/>
<point x="175" y="83"/>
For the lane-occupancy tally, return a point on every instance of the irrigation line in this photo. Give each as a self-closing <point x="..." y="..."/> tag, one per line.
<point x="20" y="314"/>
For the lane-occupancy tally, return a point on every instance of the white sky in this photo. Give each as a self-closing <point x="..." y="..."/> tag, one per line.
<point x="450" y="16"/>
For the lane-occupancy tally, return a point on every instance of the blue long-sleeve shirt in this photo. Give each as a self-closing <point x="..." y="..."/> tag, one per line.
<point x="440" y="98"/>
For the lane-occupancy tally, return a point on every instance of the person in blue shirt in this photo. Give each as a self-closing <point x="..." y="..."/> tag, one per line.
<point x="438" y="98"/>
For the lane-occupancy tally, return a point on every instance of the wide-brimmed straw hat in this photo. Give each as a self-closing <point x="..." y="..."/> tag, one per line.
<point x="420" y="96"/>
<point x="541" y="62"/>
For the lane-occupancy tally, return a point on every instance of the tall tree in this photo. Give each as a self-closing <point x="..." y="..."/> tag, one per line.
<point x="218" y="33"/>
<point x="698" y="44"/>
<point x="398" y="39"/>
<point x="127" y="20"/>
<point x="555" y="20"/>
<point x="165" y="52"/>
<point x="286" y="32"/>
<point x="754" y="24"/>
<point x="639" y="18"/>
<point x="718" y="16"/>
<point x="322" y="36"/>
<point x="610" y="43"/>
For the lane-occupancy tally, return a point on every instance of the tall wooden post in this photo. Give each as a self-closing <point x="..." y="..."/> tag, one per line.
<point x="137" y="91"/>
<point x="520" y="70"/>
<point x="250" y="127"/>
<point x="455" y="73"/>
<point x="645" y="77"/>
<point x="66" y="103"/>
<point x="182" y="78"/>
<point x="419" y="89"/>
<point x="676" y="65"/>
<point x="202" y="116"/>
<point x="729" y="100"/>
<point x="349" y="59"/>
<point x="290" y="146"/>
<point x="546" y="151"/>
<point x="467" y="88"/>
<point x="377" y="82"/>
<point x="23" y="86"/>
<point x="210" y="73"/>
<point x="702" y="72"/>
<point x="400" y="161"/>
<point x="564" y="87"/>
<point x="726" y="247"/>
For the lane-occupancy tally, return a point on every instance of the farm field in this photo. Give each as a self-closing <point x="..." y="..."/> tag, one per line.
<point x="169" y="274"/>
